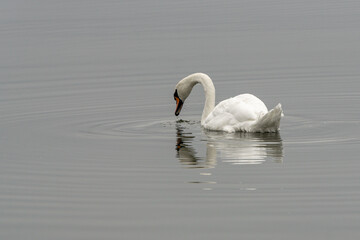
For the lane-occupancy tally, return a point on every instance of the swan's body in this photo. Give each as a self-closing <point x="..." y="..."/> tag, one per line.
<point x="244" y="112"/>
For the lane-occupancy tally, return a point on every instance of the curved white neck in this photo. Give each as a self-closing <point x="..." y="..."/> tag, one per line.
<point x="209" y="90"/>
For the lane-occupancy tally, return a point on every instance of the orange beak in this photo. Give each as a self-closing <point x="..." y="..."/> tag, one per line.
<point x="179" y="105"/>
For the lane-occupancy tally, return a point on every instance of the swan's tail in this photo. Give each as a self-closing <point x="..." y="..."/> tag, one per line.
<point x="270" y="122"/>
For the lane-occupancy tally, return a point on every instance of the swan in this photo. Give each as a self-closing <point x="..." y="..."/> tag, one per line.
<point x="244" y="112"/>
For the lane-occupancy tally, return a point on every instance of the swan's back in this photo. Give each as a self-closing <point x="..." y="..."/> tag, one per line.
<point x="242" y="113"/>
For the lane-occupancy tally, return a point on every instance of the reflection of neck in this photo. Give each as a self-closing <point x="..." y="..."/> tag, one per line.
<point x="209" y="90"/>
<point x="187" y="154"/>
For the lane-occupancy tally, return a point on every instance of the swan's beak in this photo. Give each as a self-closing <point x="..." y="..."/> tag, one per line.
<point x="179" y="105"/>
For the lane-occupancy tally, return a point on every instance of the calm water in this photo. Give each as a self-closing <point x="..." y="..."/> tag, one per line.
<point x="90" y="147"/>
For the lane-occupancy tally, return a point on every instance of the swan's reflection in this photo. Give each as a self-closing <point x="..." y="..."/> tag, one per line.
<point x="237" y="148"/>
<point x="247" y="148"/>
<point x="187" y="154"/>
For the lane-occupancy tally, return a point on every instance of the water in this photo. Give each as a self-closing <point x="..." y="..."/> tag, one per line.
<point x="90" y="147"/>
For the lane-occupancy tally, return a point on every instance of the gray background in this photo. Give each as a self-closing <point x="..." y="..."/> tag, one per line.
<point x="88" y="135"/>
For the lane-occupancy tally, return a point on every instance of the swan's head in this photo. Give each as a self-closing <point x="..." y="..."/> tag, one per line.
<point x="182" y="91"/>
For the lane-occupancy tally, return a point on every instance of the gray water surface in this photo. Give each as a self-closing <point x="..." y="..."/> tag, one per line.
<point x="90" y="147"/>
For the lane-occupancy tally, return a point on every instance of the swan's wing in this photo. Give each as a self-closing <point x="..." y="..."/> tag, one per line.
<point x="253" y="104"/>
<point x="236" y="113"/>
<point x="270" y="122"/>
<point x="244" y="107"/>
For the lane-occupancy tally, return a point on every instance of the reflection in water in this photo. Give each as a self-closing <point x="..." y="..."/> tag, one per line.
<point x="236" y="148"/>
<point x="247" y="148"/>
<point x="188" y="155"/>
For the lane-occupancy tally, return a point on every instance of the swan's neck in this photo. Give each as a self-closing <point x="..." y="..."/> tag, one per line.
<point x="209" y="90"/>
<point x="209" y="99"/>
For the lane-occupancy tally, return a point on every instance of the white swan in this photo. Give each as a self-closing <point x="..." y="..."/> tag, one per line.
<point x="244" y="112"/>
